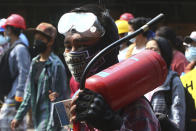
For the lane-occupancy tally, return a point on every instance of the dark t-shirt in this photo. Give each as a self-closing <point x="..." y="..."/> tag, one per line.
<point x="38" y="67"/>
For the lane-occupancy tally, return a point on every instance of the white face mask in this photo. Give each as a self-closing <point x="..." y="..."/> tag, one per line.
<point x="3" y="40"/>
<point x="190" y="54"/>
<point x="76" y="62"/>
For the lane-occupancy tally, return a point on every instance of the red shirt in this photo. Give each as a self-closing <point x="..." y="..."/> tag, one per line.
<point x="179" y="62"/>
<point x="74" y="86"/>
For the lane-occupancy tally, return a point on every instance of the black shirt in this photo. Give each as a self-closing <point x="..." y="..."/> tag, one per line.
<point x="38" y="67"/>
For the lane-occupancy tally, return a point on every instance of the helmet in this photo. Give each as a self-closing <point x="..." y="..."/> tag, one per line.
<point x="15" y="20"/>
<point x="126" y="16"/>
<point x="123" y="26"/>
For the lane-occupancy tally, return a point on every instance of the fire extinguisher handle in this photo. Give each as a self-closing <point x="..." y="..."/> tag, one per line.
<point x="152" y="22"/>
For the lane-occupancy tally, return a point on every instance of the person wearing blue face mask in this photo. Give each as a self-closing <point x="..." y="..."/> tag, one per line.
<point x="190" y="52"/>
<point x="15" y="63"/>
<point x="3" y="41"/>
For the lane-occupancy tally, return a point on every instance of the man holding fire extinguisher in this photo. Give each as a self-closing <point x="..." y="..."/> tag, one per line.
<point x="87" y="30"/>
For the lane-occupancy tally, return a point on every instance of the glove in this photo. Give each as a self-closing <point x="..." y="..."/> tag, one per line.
<point x="92" y="108"/>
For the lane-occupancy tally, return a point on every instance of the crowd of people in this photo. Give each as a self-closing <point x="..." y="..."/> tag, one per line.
<point x="33" y="83"/>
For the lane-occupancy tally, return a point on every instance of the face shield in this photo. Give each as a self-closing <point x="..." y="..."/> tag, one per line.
<point x="86" y="24"/>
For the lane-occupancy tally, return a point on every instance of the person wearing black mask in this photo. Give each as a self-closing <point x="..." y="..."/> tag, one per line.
<point x="47" y="79"/>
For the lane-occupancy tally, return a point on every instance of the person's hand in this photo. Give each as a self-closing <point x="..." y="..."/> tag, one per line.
<point x="90" y="107"/>
<point x="73" y="107"/>
<point x="14" y="124"/>
<point x="53" y="95"/>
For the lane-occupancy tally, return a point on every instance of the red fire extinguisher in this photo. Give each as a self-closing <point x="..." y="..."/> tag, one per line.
<point x="128" y="80"/>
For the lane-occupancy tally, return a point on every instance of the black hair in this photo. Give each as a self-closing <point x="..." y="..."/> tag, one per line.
<point x="169" y="34"/>
<point x="15" y="31"/>
<point x="179" y="42"/>
<point x="165" y="49"/>
<point x="138" y="22"/>
<point x="111" y="31"/>
<point x="105" y="19"/>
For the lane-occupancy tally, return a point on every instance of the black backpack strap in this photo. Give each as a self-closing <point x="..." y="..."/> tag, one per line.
<point x="168" y="94"/>
<point x="14" y="45"/>
<point x="6" y="80"/>
<point x="190" y="107"/>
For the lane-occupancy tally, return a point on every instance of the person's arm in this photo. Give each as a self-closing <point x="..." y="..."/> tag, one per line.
<point x="62" y="83"/>
<point x="24" y="106"/>
<point x="60" y="90"/>
<point x="23" y="64"/>
<point x="178" y="104"/>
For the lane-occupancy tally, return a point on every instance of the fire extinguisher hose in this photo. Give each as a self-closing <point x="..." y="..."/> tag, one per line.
<point x="115" y="44"/>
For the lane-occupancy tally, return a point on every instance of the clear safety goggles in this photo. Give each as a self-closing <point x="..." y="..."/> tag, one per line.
<point x="85" y="23"/>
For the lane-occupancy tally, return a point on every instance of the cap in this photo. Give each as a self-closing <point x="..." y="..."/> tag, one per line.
<point x="191" y="38"/>
<point x="45" y="29"/>
<point x="123" y="26"/>
<point x="126" y="16"/>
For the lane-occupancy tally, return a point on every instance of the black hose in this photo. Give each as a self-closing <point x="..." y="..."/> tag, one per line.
<point x="117" y="43"/>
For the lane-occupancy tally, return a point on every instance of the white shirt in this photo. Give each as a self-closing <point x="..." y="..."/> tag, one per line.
<point x="136" y="50"/>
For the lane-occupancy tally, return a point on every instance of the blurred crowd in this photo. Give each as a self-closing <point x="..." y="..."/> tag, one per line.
<point x="33" y="77"/>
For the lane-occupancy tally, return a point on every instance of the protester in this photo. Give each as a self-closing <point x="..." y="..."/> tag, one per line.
<point x="19" y="62"/>
<point x="3" y="41"/>
<point x="180" y="45"/>
<point x="81" y="44"/>
<point x="190" y="52"/>
<point x="126" y="16"/>
<point x="140" y="40"/>
<point x="123" y="29"/>
<point x="47" y="79"/>
<point x="168" y="100"/>
<point x="179" y="61"/>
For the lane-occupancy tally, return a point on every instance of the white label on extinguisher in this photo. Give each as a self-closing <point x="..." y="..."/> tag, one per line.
<point x="103" y="74"/>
